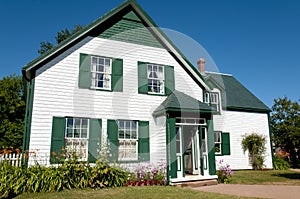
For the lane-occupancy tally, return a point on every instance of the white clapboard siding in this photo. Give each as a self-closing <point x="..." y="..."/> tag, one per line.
<point x="238" y="124"/>
<point x="56" y="91"/>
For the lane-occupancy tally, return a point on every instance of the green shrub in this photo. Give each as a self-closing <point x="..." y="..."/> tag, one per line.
<point x="71" y="174"/>
<point x="280" y="163"/>
<point x="255" y="144"/>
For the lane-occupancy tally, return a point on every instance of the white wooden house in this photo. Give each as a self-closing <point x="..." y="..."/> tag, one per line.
<point x="121" y="82"/>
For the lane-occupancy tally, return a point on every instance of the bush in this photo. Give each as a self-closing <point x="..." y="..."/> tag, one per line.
<point x="280" y="163"/>
<point x="224" y="172"/>
<point x="71" y="174"/>
<point x="255" y="144"/>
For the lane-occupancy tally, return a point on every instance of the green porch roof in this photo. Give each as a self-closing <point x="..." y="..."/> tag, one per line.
<point x="234" y="95"/>
<point x="181" y="102"/>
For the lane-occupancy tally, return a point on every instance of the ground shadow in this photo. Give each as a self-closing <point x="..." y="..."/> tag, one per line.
<point x="288" y="175"/>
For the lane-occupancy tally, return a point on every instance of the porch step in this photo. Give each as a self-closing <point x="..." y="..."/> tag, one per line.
<point x="199" y="183"/>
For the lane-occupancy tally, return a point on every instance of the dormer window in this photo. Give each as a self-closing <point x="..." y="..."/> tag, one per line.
<point x="214" y="100"/>
<point x="206" y="97"/>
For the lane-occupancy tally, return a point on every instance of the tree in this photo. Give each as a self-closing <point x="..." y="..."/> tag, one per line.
<point x="285" y="123"/>
<point x="60" y="36"/>
<point x="255" y="144"/>
<point x="12" y="111"/>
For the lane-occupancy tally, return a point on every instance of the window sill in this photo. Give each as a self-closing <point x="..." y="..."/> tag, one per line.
<point x="100" y="89"/>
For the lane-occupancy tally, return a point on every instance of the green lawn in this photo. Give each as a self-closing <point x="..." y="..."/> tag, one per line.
<point x="240" y="177"/>
<point x="279" y="177"/>
<point x="146" y="192"/>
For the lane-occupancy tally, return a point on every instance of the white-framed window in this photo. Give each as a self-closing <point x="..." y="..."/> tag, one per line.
<point x="214" y="100"/>
<point x="128" y="140"/>
<point x="206" y="97"/>
<point x="76" y="137"/>
<point x="218" y="142"/>
<point x="156" y="79"/>
<point x="101" y="72"/>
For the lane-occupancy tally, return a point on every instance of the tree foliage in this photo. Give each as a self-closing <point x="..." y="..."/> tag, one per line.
<point x="60" y="36"/>
<point x="285" y="123"/>
<point x="255" y="145"/>
<point x="12" y="111"/>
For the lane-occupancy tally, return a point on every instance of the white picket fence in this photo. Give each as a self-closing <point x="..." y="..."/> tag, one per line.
<point x="12" y="158"/>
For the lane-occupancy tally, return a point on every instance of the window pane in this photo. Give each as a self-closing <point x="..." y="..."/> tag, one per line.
<point x="69" y="122"/>
<point x="101" y="61"/>
<point x="121" y="124"/>
<point x="77" y="123"/>
<point x="133" y="135"/>
<point x="100" y="68"/>
<point x="84" y="133"/>
<point x="76" y="133"/>
<point x="121" y="134"/>
<point x="84" y="123"/>
<point x="69" y="132"/>
<point x="107" y="62"/>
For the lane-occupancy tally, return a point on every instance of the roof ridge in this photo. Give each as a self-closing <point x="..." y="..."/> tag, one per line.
<point x="218" y="73"/>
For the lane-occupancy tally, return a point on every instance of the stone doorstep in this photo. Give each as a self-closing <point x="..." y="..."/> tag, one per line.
<point x="199" y="183"/>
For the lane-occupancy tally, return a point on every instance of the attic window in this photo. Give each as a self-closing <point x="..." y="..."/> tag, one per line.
<point x="214" y="100"/>
<point x="101" y="72"/>
<point x="156" y="79"/>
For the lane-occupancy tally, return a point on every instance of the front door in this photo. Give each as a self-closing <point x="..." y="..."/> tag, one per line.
<point x="188" y="153"/>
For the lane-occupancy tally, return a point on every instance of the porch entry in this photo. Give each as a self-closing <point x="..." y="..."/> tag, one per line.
<point x="191" y="147"/>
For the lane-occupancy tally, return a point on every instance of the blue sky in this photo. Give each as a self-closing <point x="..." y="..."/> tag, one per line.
<point x="256" y="41"/>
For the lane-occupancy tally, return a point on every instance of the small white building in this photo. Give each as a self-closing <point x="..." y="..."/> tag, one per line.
<point x="120" y="83"/>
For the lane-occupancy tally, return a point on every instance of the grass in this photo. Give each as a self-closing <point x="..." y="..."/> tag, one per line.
<point x="267" y="177"/>
<point x="274" y="177"/>
<point x="146" y="192"/>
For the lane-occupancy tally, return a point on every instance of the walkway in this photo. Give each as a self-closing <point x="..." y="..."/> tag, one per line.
<point x="261" y="191"/>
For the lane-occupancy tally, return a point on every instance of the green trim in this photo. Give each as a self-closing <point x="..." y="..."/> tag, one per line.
<point x="171" y="148"/>
<point x="271" y="139"/>
<point x="28" y="118"/>
<point x="143" y="141"/>
<point x="246" y="109"/>
<point x="169" y="79"/>
<point x="225" y="143"/>
<point x="211" y="148"/>
<point x="201" y="151"/>
<point x="57" y="139"/>
<point x="84" y="77"/>
<point x="117" y="75"/>
<point x="94" y="143"/>
<point x="142" y="78"/>
<point x="112" y="137"/>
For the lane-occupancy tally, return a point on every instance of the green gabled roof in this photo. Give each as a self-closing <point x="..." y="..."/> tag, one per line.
<point x="181" y="102"/>
<point x="121" y="19"/>
<point x="234" y="95"/>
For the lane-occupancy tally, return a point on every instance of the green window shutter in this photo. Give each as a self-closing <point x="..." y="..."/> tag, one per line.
<point x="211" y="148"/>
<point x="142" y="78"/>
<point x="117" y="75"/>
<point x="171" y="147"/>
<point x="84" y="71"/>
<point x="112" y="135"/>
<point x="94" y="139"/>
<point x="225" y="144"/>
<point x="143" y="142"/>
<point x="169" y="80"/>
<point x="57" y="138"/>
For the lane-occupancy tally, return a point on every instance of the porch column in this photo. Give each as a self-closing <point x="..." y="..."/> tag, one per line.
<point x="211" y="148"/>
